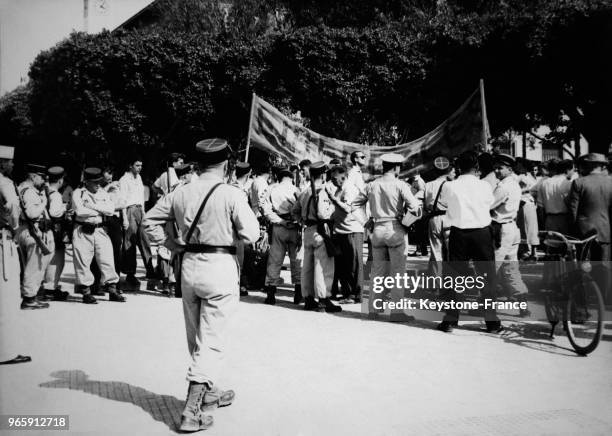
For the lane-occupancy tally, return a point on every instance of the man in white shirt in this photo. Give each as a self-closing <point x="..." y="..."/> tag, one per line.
<point x="133" y="192"/>
<point x="168" y="179"/>
<point x="469" y="200"/>
<point x="355" y="174"/>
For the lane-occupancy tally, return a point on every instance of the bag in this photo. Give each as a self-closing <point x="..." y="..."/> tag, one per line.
<point x="410" y="218"/>
<point x="434" y="209"/>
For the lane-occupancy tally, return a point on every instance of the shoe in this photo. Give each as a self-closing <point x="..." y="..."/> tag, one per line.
<point x="44" y="295"/>
<point x="494" y="327"/>
<point x="297" y="294"/>
<point x="311" y="304"/>
<point x="132" y="280"/>
<point x="192" y="418"/>
<point x="89" y="299"/>
<point x="330" y="307"/>
<point x="217" y="398"/>
<point x="18" y="359"/>
<point x="271" y="298"/>
<point x="445" y="327"/>
<point x="357" y="299"/>
<point x="59" y="295"/>
<point x="400" y="317"/>
<point x="116" y="296"/>
<point x="171" y="290"/>
<point x="347" y="300"/>
<point x="31" y="303"/>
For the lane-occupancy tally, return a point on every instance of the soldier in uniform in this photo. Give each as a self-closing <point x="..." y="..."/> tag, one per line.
<point x="212" y="216"/>
<point x="285" y="235"/>
<point x="507" y="198"/>
<point x="242" y="181"/>
<point x="9" y="263"/>
<point x="56" y="210"/>
<point x="389" y="198"/>
<point x="34" y="236"/>
<point x="90" y="238"/>
<point x="314" y="210"/>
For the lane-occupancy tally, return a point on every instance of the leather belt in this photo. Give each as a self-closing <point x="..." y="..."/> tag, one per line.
<point x="204" y="248"/>
<point x="310" y="223"/>
<point x="90" y="224"/>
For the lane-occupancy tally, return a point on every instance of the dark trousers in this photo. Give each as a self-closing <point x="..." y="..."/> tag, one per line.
<point x="135" y="237"/>
<point x="476" y="245"/>
<point x="602" y="269"/>
<point x="349" y="265"/>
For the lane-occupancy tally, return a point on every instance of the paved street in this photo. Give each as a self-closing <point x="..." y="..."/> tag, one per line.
<point x="120" y="368"/>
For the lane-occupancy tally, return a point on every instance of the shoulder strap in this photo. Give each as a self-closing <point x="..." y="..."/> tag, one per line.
<point x="194" y="224"/>
<point x="435" y="205"/>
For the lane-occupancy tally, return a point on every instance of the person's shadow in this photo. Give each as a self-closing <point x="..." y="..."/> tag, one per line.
<point x="163" y="408"/>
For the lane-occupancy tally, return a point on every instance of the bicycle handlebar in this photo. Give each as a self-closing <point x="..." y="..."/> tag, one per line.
<point x="569" y="240"/>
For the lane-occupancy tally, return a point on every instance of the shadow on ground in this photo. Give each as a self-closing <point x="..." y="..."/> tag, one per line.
<point x="162" y="408"/>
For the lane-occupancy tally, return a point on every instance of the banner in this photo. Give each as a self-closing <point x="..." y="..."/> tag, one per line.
<point x="275" y="133"/>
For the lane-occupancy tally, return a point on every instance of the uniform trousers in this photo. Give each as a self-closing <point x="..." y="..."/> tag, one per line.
<point x="349" y="265"/>
<point x="389" y="251"/>
<point x="87" y="247"/>
<point x="209" y="282"/>
<point x="35" y="262"/>
<point x="318" y="267"/>
<point x="10" y="316"/>
<point x="527" y="221"/>
<point x="54" y="270"/>
<point x="135" y="237"/>
<point x="506" y="261"/>
<point x="284" y="240"/>
<point x="476" y="245"/>
<point x="438" y="232"/>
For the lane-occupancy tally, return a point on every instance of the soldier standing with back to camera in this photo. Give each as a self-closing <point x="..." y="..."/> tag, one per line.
<point x="212" y="217"/>
<point x="9" y="263"/>
<point x="35" y="237"/>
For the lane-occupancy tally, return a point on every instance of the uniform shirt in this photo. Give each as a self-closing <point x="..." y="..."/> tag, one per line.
<point x="116" y="195"/>
<point x="132" y="189"/>
<point x="553" y="193"/>
<point x="57" y="208"/>
<point x="305" y="208"/>
<point x="431" y="192"/>
<point x="84" y="214"/>
<point x="353" y="221"/>
<point x="162" y="181"/>
<point x="468" y="200"/>
<point x="244" y="187"/>
<point x="355" y="177"/>
<point x="281" y="199"/>
<point x="491" y="179"/>
<point x="418" y="188"/>
<point x="258" y="193"/>
<point x="507" y="198"/>
<point x="9" y="204"/>
<point x="226" y="219"/>
<point x="34" y="201"/>
<point x="388" y="198"/>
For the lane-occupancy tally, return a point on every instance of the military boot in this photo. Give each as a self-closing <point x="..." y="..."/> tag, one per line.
<point x="271" y="298"/>
<point x="192" y="418"/>
<point x="216" y="397"/>
<point x="114" y="294"/>
<point x="311" y="304"/>
<point x="87" y="297"/>
<point x="297" y="295"/>
<point x="329" y="306"/>
<point x="32" y="303"/>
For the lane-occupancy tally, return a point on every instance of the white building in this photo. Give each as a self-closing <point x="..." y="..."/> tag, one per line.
<point x="28" y="27"/>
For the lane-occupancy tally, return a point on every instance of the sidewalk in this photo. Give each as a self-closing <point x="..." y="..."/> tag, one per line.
<point x="120" y="368"/>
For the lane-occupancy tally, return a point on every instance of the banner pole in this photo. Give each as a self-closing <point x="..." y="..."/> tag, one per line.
<point x="483" y="115"/>
<point x="248" y="144"/>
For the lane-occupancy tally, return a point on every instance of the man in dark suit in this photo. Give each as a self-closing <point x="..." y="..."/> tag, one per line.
<point x="590" y="203"/>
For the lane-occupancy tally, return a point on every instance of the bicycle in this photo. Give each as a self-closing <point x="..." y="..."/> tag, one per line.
<point x="576" y="298"/>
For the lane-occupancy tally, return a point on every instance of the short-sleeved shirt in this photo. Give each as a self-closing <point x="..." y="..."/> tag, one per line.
<point x="132" y="189"/>
<point x="508" y="192"/>
<point x="9" y="204"/>
<point x="552" y="194"/>
<point x="469" y="201"/>
<point x="388" y="198"/>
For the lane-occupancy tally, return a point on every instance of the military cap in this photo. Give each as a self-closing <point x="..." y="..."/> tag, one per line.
<point x="504" y="159"/>
<point x="441" y="163"/>
<point x="593" y="158"/>
<point x="55" y="171"/>
<point x="92" y="174"/>
<point x="181" y="170"/>
<point x="392" y="158"/>
<point x="7" y="152"/>
<point x="242" y="168"/>
<point x="317" y="168"/>
<point x="36" y="169"/>
<point x="213" y="150"/>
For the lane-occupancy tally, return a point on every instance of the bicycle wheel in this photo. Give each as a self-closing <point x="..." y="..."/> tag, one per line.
<point x="583" y="318"/>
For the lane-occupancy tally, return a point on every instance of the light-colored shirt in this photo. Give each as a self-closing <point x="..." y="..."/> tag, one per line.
<point x="227" y="218"/>
<point x="527" y="181"/>
<point x="507" y="199"/>
<point x="258" y="194"/>
<point x="491" y="179"/>
<point x="553" y="193"/>
<point x="305" y="208"/>
<point x="353" y="221"/>
<point x="132" y="189"/>
<point x="431" y="192"/>
<point x="388" y="198"/>
<point x="34" y="201"/>
<point x="9" y="204"/>
<point x="281" y="199"/>
<point x="162" y="181"/>
<point x="82" y="199"/>
<point x="57" y="208"/>
<point x="116" y="196"/>
<point x="355" y="177"/>
<point x="468" y="200"/>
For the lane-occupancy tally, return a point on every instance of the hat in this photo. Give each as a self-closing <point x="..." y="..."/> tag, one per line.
<point x="7" y="152"/>
<point x="284" y="172"/>
<point x="92" y="174"/>
<point x="36" y="169"/>
<point x="393" y="158"/>
<point x="181" y="170"/>
<point x="213" y="150"/>
<point x="242" y="168"/>
<point x="55" y="172"/>
<point x="441" y="163"/>
<point x="317" y="168"/>
<point x="504" y="159"/>
<point x="593" y="158"/>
